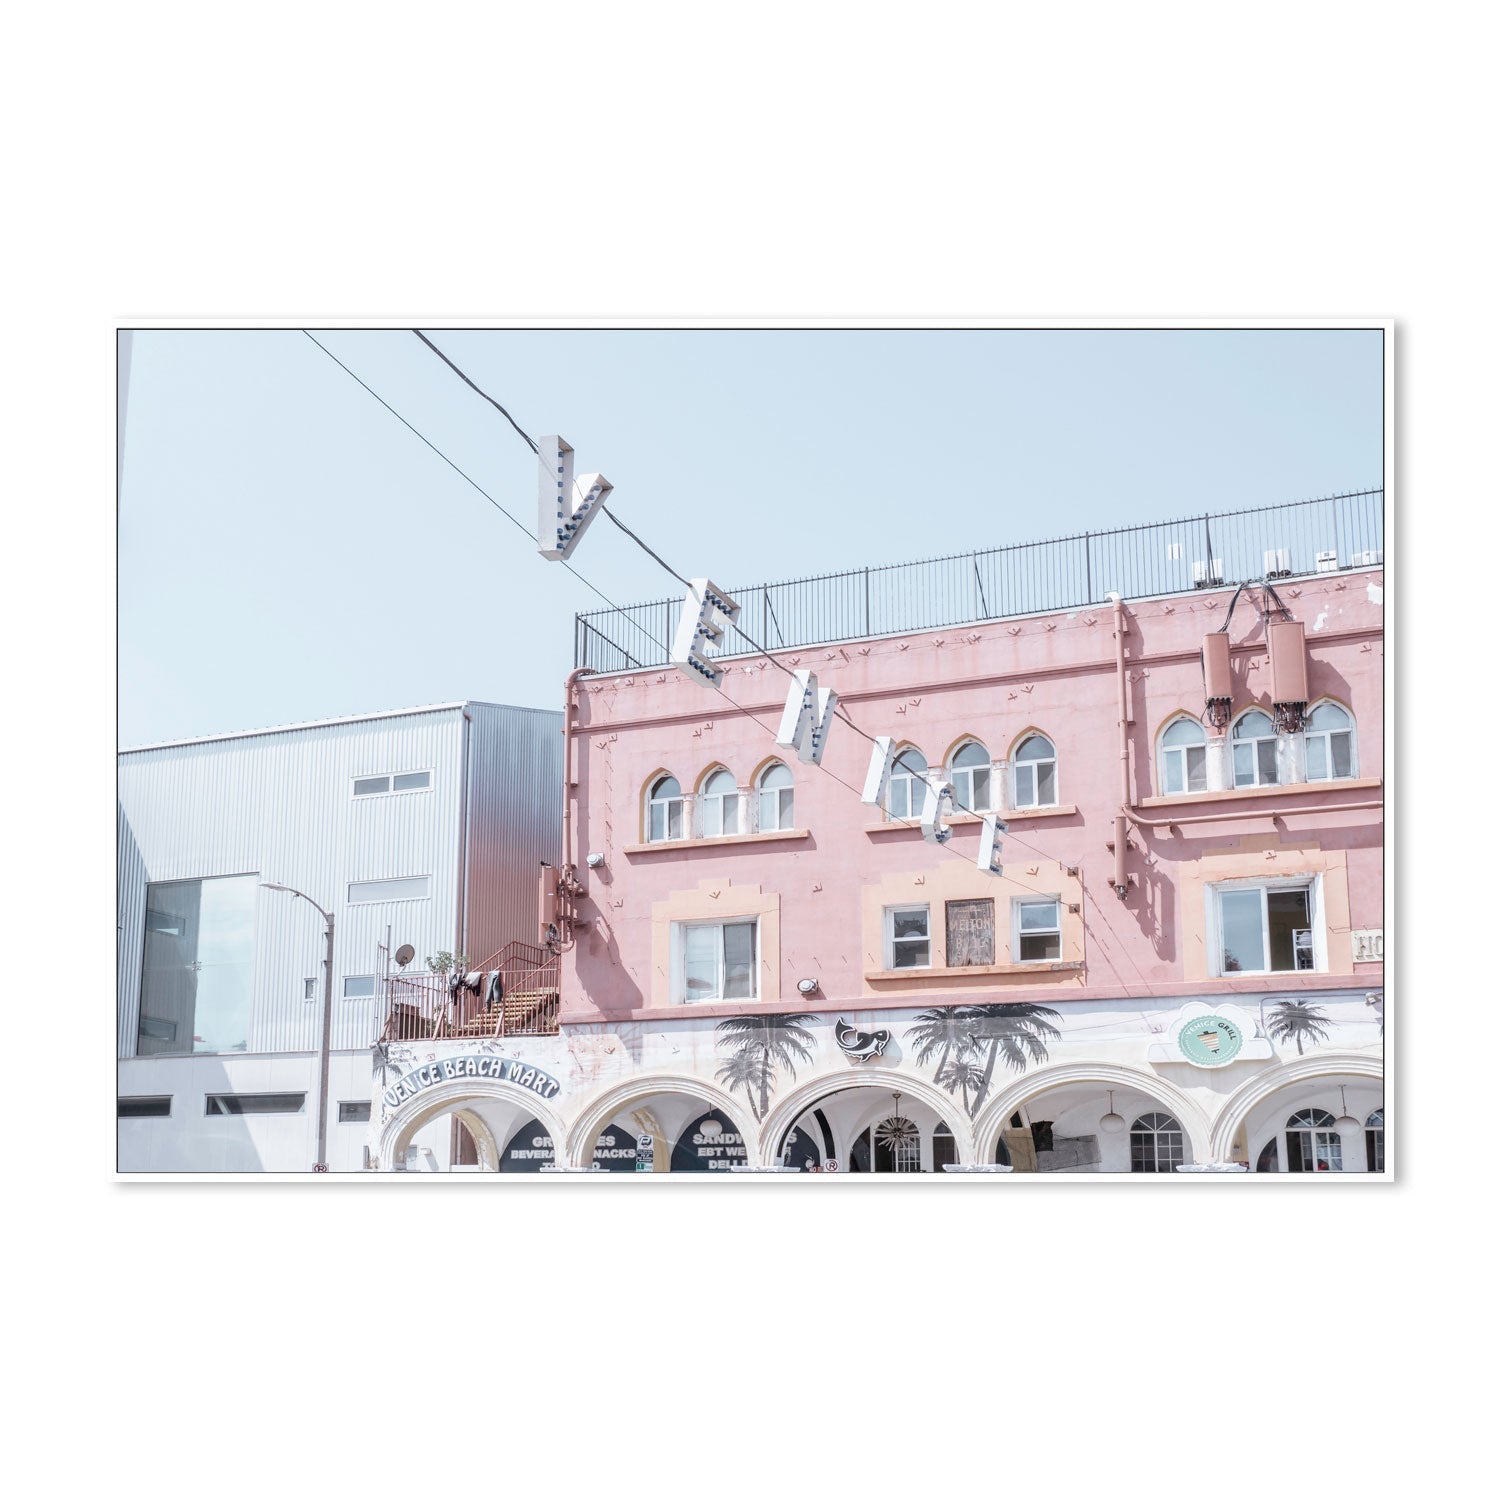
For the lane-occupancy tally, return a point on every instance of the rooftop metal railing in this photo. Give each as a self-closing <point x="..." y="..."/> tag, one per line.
<point x="1071" y="572"/>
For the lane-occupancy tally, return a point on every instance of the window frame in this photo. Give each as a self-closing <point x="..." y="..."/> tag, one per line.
<point x="374" y="987"/>
<point x="391" y="789"/>
<point x="679" y="961"/>
<point x="350" y="899"/>
<point x="888" y="926"/>
<point x="1016" y="904"/>
<point x="784" y="821"/>
<point x="904" y="774"/>
<point x="1173" y="1152"/>
<point x="1273" y="739"/>
<point x="1317" y="1132"/>
<point x="1165" y="751"/>
<point x="1311" y="883"/>
<point x="727" y="802"/>
<point x="962" y="777"/>
<point x="948" y="944"/>
<point x="1326" y="735"/>
<point x="1017" y="765"/>
<point x="354" y="1104"/>
<point x="666" y="803"/>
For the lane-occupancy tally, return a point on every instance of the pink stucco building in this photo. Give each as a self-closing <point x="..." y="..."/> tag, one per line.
<point x="1175" y="959"/>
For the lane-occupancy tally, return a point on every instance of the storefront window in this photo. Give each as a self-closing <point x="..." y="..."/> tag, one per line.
<point x="199" y="959"/>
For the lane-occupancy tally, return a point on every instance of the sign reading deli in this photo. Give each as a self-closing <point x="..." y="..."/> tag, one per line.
<point x="451" y="1069"/>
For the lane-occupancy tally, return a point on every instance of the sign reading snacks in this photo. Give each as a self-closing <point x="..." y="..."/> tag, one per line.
<point x="451" y="1069"/>
<point x="1210" y="1041"/>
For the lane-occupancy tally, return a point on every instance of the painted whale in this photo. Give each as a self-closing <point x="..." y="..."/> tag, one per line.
<point x="861" y="1045"/>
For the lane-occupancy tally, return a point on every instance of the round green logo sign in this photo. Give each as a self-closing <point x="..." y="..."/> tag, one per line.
<point x="1210" y="1041"/>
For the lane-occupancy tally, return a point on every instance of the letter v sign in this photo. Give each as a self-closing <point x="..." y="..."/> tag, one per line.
<point x="564" y="507"/>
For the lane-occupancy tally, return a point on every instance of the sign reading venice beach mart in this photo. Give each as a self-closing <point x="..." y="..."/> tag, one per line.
<point x="451" y="1069"/>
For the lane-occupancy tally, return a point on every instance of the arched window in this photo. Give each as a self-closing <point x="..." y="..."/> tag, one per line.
<point x="971" y="776"/>
<point x="664" y="811"/>
<point x="908" y="783"/>
<point x="1155" y="1144"/>
<point x="1184" y="757"/>
<point x="775" y="798"/>
<point x="944" y="1147"/>
<point x="718" y="805"/>
<point x="1330" y="743"/>
<point x="898" y="1145"/>
<point x="1375" y="1142"/>
<point x="1035" y="773"/>
<point x="1254" y="750"/>
<point x="1312" y="1142"/>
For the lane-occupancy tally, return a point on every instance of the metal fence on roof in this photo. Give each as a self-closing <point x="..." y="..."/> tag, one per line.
<point x="1163" y="557"/>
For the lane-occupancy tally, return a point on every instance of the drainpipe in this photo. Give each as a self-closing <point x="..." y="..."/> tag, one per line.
<point x="569" y="881"/>
<point x="1121" y="882"/>
<point x="461" y="916"/>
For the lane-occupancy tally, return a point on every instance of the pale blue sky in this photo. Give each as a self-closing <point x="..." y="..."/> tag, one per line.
<point x="289" y="551"/>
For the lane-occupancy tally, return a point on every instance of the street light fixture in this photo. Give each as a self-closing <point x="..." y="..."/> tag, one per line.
<point x="321" y="1164"/>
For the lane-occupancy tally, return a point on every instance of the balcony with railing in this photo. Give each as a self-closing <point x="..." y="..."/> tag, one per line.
<point x="513" y="993"/>
<point x="1324" y="535"/>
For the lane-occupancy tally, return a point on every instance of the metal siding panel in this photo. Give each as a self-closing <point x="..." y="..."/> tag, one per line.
<point x="279" y="805"/>
<point x="130" y="932"/>
<point x="515" y="820"/>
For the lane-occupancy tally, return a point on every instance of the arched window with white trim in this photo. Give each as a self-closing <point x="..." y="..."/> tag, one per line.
<point x="1034" y="773"/>
<point x="775" y="787"/>
<point x="1182" y="757"/>
<point x="1254" y="741"/>
<point x="973" y="776"/>
<point x="1330" y="743"/>
<point x="664" y="810"/>
<point x="1375" y="1141"/>
<point x="1155" y="1143"/>
<point x="908" y="789"/>
<point x="1312" y="1142"/>
<point x="718" y="805"/>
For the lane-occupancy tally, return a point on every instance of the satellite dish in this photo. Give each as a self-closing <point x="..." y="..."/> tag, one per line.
<point x="404" y="954"/>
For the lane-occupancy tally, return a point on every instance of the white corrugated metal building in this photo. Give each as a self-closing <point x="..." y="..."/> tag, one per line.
<point x="423" y="826"/>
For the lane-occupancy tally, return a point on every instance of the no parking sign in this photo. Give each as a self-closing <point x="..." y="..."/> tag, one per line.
<point x="644" y="1153"/>
<point x="830" y="1165"/>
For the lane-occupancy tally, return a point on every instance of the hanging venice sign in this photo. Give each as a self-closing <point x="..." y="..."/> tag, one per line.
<point x="565" y="506"/>
<point x="1210" y="1041"/>
<point x="456" y="1069"/>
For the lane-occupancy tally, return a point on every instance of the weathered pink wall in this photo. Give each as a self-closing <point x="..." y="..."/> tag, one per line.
<point x="993" y="680"/>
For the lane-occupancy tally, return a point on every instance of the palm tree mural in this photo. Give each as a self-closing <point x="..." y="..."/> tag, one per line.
<point x="758" y="1047"/>
<point x="1297" y="1020"/>
<point x="968" y="1040"/>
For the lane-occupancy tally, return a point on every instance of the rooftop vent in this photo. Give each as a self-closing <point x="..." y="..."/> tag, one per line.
<point x="1278" y="563"/>
<point x="1328" y="562"/>
<point x="1208" y="575"/>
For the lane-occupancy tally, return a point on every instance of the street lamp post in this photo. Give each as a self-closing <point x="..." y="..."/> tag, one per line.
<point x="321" y="1164"/>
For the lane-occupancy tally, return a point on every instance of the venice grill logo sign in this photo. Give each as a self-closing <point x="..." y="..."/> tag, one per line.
<point x="451" y="1069"/>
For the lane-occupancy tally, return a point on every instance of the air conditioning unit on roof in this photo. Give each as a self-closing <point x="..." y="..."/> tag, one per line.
<point x="1328" y="562"/>
<point x="1206" y="576"/>
<point x="1366" y="559"/>
<point x="1278" y="562"/>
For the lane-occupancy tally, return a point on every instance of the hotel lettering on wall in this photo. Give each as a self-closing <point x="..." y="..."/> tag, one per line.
<point x="454" y="1069"/>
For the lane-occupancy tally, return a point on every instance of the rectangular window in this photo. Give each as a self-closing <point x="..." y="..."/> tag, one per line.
<point x="197" y="966"/>
<point x="354" y="1111"/>
<point x="309" y="989"/>
<point x="717" y="960"/>
<point x="1038" y="931"/>
<point x="971" y="933"/>
<point x="1265" y="929"/>
<point x="359" y="986"/>
<point x="143" y="1107"/>
<point x="400" y="781"/>
<point x="254" y="1104"/>
<point x="907" y="940"/>
<point x="408" y="888"/>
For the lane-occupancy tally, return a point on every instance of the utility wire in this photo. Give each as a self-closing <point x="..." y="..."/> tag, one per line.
<point x="841" y="712"/>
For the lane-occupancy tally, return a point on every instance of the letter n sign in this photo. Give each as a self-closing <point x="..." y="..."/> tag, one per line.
<point x="807" y="717"/>
<point x="564" y="506"/>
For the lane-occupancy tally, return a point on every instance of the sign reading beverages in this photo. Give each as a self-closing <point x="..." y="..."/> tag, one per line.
<point x="531" y="1149"/>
